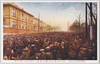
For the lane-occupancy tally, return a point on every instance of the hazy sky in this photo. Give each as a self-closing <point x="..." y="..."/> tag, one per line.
<point x="55" y="13"/>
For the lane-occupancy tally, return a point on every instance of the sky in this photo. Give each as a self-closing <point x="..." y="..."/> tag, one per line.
<point x="55" y="13"/>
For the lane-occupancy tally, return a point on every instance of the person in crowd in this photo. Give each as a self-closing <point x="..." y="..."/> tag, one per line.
<point x="49" y="54"/>
<point x="8" y="52"/>
<point x="14" y="55"/>
<point x="24" y="54"/>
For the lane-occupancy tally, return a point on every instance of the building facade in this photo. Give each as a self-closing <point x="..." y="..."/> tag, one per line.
<point x="16" y="20"/>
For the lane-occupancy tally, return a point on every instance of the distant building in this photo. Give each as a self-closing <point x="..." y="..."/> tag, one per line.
<point x="17" y="20"/>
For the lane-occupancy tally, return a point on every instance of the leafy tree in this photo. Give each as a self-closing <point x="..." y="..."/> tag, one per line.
<point x="55" y="28"/>
<point x="49" y="28"/>
<point x="77" y="27"/>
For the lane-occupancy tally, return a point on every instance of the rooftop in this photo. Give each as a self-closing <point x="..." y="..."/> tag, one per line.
<point x="14" y="5"/>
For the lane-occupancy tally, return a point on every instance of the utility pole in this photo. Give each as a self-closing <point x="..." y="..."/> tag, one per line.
<point x="91" y="28"/>
<point x="86" y="19"/>
<point x="91" y="12"/>
<point x="96" y="24"/>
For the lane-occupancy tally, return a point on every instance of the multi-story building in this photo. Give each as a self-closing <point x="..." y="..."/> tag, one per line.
<point x="17" y="20"/>
<point x="43" y="27"/>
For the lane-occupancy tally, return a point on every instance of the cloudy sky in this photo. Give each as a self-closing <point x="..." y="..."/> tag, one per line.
<point x="55" y="13"/>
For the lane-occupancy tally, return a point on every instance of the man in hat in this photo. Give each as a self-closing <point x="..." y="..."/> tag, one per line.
<point x="14" y="55"/>
<point x="43" y="54"/>
<point x="49" y="54"/>
<point x="54" y="51"/>
<point x="24" y="54"/>
<point x="72" y="50"/>
<point x="37" y="56"/>
<point x="32" y="50"/>
<point x="59" y="52"/>
<point x="45" y="44"/>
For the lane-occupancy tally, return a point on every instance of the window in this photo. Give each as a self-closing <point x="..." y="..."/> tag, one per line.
<point x="28" y="18"/>
<point x="22" y="16"/>
<point x="13" y="12"/>
<point x="14" y="24"/>
<point x="4" y="21"/>
<point x="26" y="26"/>
<point x="32" y="27"/>
<point x="18" y="14"/>
<point x="19" y="25"/>
<point x="31" y="19"/>
<point x="22" y="26"/>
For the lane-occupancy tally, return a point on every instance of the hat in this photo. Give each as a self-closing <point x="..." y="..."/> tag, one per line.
<point x="86" y="42"/>
<point x="32" y="45"/>
<point x="55" y="42"/>
<point x="83" y="48"/>
<point x="5" y="42"/>
<point x="25" y="49"/>
<point x="46" y="42"/>
<point x="47" y="48"/>
<point x="77" y="36"/>
<point x="5" y="57"/>
<point x="62" y="42"/>
<point x="41" y="49"/>
<point x="80" y="39"/>
<point x="36" y="40"/>
<point x="48" y="53"/>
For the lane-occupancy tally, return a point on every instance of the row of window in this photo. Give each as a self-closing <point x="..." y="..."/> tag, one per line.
<point x="22" y="26"/>
<point x="14" y="14"/>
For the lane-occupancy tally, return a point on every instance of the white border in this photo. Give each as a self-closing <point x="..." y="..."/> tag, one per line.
<point x="49" y="61"/>
<point x="51" y="1"/>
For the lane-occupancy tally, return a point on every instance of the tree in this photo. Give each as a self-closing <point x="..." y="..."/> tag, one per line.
<point x="55" y="28"/>
<point x="76" y="25"/>
<point x="49" y="28"/>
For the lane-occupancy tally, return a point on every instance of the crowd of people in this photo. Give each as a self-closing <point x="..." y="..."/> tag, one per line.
<point x="49" y="46"/>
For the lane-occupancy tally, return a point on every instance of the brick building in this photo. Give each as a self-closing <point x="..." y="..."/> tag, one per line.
<point x="17" y="20"/>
